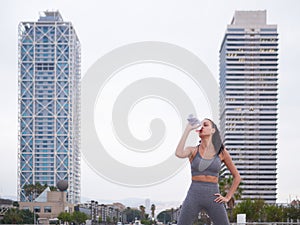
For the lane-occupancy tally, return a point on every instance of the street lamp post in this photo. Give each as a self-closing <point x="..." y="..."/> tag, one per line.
<point x="34" y="217"/>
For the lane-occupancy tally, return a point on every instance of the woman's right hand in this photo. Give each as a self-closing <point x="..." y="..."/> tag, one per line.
<point x="190" y="127"/>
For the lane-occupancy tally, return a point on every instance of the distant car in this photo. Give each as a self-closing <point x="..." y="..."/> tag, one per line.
<point x="119" y="223"/>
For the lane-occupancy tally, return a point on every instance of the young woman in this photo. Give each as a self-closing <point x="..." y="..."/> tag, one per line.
<point x="206" y="160"/>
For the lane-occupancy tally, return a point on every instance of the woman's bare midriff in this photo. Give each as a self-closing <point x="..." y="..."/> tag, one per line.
<point x="205" y="178"/>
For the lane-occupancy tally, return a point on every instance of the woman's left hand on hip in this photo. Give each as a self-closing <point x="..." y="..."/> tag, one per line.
<point x="220" y="198"/>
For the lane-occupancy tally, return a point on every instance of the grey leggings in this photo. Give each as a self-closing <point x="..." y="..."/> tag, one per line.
<point x="201" y="196"/>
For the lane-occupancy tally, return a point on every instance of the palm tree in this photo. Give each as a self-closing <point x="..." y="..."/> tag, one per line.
<point x="13" y="216"/>
<point x="142" y="208"/>
<point x="172" y="212"/>
<point x="32" y="191"/>
<point x="39" y="189"/>
<point x="28" y="190"/>
<point x="224" y="185"/>
<point x="153" y="210"/>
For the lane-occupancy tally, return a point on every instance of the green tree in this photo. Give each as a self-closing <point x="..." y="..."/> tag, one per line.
<point x="153" y="210"/>
<point x="142" y="209"/>
<point x="12" y="216"/>
<point x="28" y="191"/>
<point x="79" y="217"/>
<point x="172" y="212"/>
<point x="273" y="213"/>
<point x="16" y="204"/>
<point x="38" y="189"/>
<point x="28" y="216"/>
<point x="254" y="209"/>
<point x="65" y="217"/>
<point x="53" y="188"/>
<point x="32" y="191"/>
<point x="225" y="185"/>
<point x="108" y="219"/>
<point x="131" y="214"/>
<point x="146" y="222"/>
<point x="291" y="212"/>
<point x="17" y="216"/>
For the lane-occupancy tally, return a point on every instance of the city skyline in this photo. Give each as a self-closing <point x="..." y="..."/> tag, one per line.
<point x="104" y="26"/>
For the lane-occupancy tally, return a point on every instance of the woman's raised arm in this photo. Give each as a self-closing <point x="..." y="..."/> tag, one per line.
<point x="181" y="150"/>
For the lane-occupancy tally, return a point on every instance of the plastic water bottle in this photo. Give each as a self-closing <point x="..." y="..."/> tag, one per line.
<point x="193" y="120"/>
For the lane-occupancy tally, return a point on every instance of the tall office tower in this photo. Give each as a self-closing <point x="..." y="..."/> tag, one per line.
<point x="248" y="101"/>
<point x="49" y="105"/>
<point x="148" y="206"/>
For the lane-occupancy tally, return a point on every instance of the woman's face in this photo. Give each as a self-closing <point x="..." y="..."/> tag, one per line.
<point x="206" y="128"/>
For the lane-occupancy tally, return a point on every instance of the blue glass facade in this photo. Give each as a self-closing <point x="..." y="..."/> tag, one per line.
<point x="49" y="104"/>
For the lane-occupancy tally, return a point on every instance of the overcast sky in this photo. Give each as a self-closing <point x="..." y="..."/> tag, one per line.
<point x="195" y="25"/>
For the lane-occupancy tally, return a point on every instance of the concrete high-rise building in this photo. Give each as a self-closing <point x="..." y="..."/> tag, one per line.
<point x="148" y="206"/>
<point x="248" y="101"/>
<point x="49" y="105"/>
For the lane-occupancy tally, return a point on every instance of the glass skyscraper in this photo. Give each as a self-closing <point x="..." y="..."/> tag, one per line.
<point x="248" y="101"/>
<point x="49" y="104"/>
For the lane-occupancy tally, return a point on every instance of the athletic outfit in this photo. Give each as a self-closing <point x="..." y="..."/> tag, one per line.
<point x="201" y="195"/>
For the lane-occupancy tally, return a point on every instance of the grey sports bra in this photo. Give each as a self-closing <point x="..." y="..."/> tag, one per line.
<point x="201" y="166"/>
